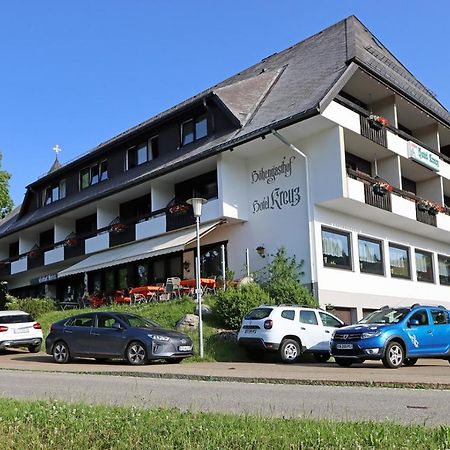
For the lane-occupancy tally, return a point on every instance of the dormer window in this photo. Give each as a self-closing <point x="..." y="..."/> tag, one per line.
<point x="145" y="151"/>
<point x="94" y="174"/>
<point x="54" y="192"/>
<point x="194" y="129"/>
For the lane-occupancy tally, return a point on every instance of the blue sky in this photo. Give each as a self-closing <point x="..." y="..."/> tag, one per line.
<point x="78" y="73"/>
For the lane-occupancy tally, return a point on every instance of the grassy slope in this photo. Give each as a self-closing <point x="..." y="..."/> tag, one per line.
<point x="56" y="426"/>
<point x="167" y="314"/>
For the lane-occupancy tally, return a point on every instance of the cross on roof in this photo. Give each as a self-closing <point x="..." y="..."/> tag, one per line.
<point x="57" y="149"/>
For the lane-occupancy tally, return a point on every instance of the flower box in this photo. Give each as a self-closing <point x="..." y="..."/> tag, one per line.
<point x="378" y="121"/>
<point x="71" y="242"/>
<point x="179" y="209"/>
<point x="382" y="188"/>
<point x="118" y="228"/>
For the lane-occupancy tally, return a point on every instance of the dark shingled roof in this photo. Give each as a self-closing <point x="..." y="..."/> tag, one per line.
<point x="281" y="89"/>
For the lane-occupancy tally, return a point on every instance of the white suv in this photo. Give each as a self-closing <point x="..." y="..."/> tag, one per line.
<point x="288" y="329"/>
<point x="18" y="329"/>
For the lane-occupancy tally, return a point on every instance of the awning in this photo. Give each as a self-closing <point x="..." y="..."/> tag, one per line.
<point x="167" y="243"/>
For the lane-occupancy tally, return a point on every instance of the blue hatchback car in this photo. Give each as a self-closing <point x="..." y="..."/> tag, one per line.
<point x="104" y="335"/>
<point x="396" y="336"/>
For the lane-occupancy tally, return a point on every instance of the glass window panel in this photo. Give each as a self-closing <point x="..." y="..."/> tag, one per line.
<point x="187" y="132"/>
<point x="132" y="158"/>
<point x="201" y="127"/>
<point x="48" y="196"/>
<point x="62" y="189"/>
<point x="142" y="271"/>
<point x="444" y="269"/>
<point x="308" y="317"/>
<point x="288" y="314"/>
<point x="55" y="193"/>
<point x="175" y="269"/>
<point x="123" y="277"/>
<point x="103" y="170"/>
<point x="97" y="282"/>
<point x="370" y="256"/>
<point x="399" y="261"/>
<point x="336" y="249"/>
<point x="211" y="262"/>
<point x="424" y="266"/>
<point x="109" y="281"/>
<point x="94" y="174"/>
<point x="84" y="178"/>
<point x="141" y="154"/>
<point x="329" y="321"/>
<point x="158" y="271"/>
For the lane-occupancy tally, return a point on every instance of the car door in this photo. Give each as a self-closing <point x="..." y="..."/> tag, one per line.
<point x="419" y="333"/>
<point x="329" y="325"/>
<point x="441" y="331"/>
<point x="77" y="334"/>
<point x="309" y="329"/>
<point x="106" y="340"/>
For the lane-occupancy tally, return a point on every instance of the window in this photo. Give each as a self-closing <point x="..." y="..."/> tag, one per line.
<point x="211" y="261"/>
<point x="81" y="321"/>
<point x="308" y="317"/>
<point x="204" y="185"/>
<point x="336" y="249"/>
<point x="399" y="261"/>
<point x="357" y="163"/>
<point x="419" y="318"/>
<point x="424" y="266"/>
<point x="288" y="314"/>
<point x="46" y="238"/>
<point x="440" y="317"/>
<point x="194" y="129"/>
<point x="94" y="174"/>
<point x="329" y="321"/>
<point x="142" y="273"/>
<point x="55" y="192"/>
<point x="409" y="185"/>
<point x="370" y="256"/>
<point x="444" y="269"/>
<point x="86" y="226"/>
<point x="104" y="321"/>
<point x="145" y="151"/>
<point x="14" y="249"/>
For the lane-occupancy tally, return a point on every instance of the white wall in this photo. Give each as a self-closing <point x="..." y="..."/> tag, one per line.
<point x="161" y="194"/>
<point x="351" y="288"/>
<point x="389" y="169"/>
<point x="107" y="211"/>
<point x="63" y="227"/>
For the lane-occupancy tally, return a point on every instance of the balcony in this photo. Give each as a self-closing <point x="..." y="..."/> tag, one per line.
<point x="373" y="130"/>
<point x="363" y="188"/>
<point x="53" y="256"/>
<point x="153" y="226"/>
<point x="97" y="243"/>
<point x="122" y="235"/>
<point x="5" y="268"/>
<point x="19" y="265"/>
<point x="178" y="215"/>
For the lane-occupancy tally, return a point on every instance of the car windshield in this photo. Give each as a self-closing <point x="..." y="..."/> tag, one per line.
<point x="258" y="313"/>
<point x="388" y="315"/>
<point x="19" y="318"/>
<point x="138" y="322"/>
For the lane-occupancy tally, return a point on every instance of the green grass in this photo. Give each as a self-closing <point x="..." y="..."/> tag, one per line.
<point x="56" y="426"/>
<point x="168" y="314"/>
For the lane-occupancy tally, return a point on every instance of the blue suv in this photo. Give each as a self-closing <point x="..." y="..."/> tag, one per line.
<point x="397" y="336"/>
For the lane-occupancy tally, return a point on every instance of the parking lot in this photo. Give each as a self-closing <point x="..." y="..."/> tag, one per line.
<point x="432" y="373"/>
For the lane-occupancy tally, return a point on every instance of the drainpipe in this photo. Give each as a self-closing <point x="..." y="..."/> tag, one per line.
<point x="312" y="249"/>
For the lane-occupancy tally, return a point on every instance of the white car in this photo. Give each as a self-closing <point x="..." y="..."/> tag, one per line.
<point x="18" y="329"/>
<point x="288" y="329"/>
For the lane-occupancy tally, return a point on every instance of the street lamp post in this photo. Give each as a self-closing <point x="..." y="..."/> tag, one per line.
<point x="197" y="204"/>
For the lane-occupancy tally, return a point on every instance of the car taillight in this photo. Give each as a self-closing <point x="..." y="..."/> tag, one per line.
<point x="3" y="328"/>
<point x="37" y="326"/>
<point x="268" y="324"/>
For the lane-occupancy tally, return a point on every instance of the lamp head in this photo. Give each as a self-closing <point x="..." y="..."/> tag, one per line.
<point x="197" y="204"/>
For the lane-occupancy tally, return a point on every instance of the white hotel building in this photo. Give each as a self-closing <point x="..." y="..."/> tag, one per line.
<point x="330" y="148"/>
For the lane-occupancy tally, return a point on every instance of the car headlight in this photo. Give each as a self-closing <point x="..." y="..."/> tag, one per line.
<point x="370" y="334"/>
<point x="158" y="337"/>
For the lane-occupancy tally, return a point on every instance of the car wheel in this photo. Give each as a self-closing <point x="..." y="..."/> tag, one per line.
<point x="344" y="362"/>
<point x="174" y="360"/>
<point x="321" y="357"/>
<point x="394" y="356"/>
<point x="34" y="348"/>
<point x="136" y="354"/>
<point x="409" y="361"/>
<point x="290" y="351"/>
<point x="61" y="353"/>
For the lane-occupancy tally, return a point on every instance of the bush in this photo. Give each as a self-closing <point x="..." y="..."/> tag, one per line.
<point x="289" y="291"/>
<point x="232" y="304"/>
<point x="280" y="279"/>
<point x="35" y="307"/>
<point x="3" y="291"/>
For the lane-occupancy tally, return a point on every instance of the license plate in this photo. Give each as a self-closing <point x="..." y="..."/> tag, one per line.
<point x="185" y="348"/>
<point x="251" y="331"/>
<point x="344" y="346"/>
<point x="21" y="330"/>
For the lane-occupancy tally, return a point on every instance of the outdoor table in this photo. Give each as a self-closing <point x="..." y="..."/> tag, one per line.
<point x="149" y="292"/>
<point x="208" y="283"/>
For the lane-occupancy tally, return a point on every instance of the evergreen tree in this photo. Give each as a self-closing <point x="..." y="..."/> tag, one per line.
<point x="6" y="204"/>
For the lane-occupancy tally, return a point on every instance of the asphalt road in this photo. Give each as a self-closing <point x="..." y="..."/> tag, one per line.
<point x="430" y="407"/>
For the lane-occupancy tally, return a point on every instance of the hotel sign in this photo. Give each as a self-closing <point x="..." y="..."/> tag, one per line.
<point x="44" y="279"/>
<point x="423" y="156"/>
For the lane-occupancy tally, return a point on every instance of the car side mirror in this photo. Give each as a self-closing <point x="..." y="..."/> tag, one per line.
<point x="413" y="323"/>
<point x="117" y="326"/>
